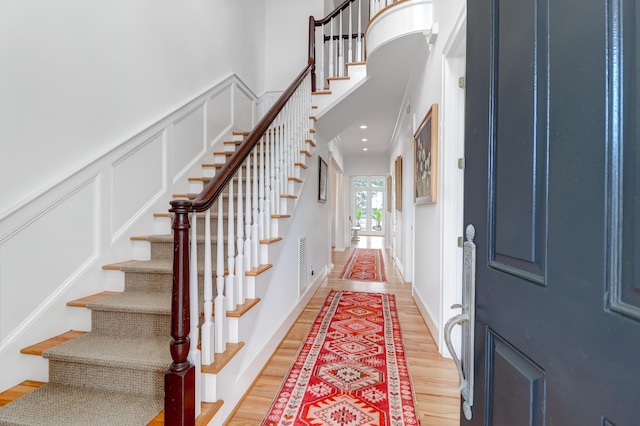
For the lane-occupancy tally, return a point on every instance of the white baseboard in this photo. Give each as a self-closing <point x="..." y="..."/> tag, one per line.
<point x="428" y="318"/>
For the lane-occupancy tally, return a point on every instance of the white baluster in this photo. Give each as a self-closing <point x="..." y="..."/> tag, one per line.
<point x="194" y="354"/>
<point x="272" y="177"/>
<point x="340" y="49"/>
<point x="231" y="253"/>
<point x="359" y="45"/>
<point x="275" y="188"/>
<point x="281" y="173"/>
<point x="321" y="82"/>
<point x="207" y="326"/>
<point x="220" y="334"/>
<point x="261" y="184"/>
<point x="350" y="33"/>
<point x="247" y="220"/>
<point x="331" y="52"/>
<point x="267" y="185"/>
<point x="239" y="290"/>
<point x="254" y="218"/>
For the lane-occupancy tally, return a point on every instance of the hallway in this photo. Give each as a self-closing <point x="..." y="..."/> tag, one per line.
<point x="434" y="379"/>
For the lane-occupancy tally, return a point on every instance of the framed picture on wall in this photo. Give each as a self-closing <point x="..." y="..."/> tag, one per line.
<point x="425" y="159"/>
<point x="389" y="194"/>
<point x="398" y="180"/>
<point x="322" y="181"/>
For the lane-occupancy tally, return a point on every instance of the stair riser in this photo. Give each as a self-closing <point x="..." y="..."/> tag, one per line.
<point x="164" y="251"/>
<point x="161" y="282"/>
<point x="130" y="323"/>
<point x="127" y="380"/>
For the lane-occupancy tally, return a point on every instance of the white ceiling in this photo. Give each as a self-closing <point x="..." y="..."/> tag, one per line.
<point x="377" y="102"/>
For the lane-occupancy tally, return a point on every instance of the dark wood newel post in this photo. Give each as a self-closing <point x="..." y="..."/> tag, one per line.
<point x="179" y="380"/>
<point x="312" y="51"/>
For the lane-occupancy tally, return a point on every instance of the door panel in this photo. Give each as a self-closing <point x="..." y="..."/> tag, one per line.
<point x="552" y="187"/>
<point x="516" y="386"/>
<point x="624" y="296"/>
<point x="518" y="152"/>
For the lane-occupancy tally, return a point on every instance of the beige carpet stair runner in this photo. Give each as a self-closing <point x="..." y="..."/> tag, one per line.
<point x="113" y="375"/>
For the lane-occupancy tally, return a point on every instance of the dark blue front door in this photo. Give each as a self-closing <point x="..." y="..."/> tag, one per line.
<point x="552" y="185"/>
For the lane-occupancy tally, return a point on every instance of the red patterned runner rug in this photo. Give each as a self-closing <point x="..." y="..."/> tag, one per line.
<point x="351" y="370"/>
<point x="364" y="265"/>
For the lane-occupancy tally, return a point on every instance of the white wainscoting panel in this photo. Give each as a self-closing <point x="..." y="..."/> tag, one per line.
<point x="143" y="169"/>
<point x="188" y="141"/>
<point x="44" y="256"/>
<point x="243" y="109"/>
<point x="219" y="114"/>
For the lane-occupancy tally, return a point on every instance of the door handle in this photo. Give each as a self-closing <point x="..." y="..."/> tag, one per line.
<point x="448" y="328"/>
<point x="465" y="363"/>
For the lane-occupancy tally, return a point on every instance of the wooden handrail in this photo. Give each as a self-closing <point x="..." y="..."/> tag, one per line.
<point x="215" y="187"/>
<point x="335" y="13"/>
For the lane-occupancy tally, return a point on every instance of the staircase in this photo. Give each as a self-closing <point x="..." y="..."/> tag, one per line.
<point x="117" y="372"/>
<point x="114" y="374"/>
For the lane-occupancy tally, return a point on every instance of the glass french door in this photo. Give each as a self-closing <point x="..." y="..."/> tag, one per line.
<point x="369" y="204"/>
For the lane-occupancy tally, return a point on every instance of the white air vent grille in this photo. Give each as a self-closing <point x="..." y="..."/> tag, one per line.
<point x="302" y="265"/>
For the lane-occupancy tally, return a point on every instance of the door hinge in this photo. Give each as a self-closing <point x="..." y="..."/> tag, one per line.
<point x="460" y="242"/>
<point x="462" y="82"/>
<point x="461" y="163"/>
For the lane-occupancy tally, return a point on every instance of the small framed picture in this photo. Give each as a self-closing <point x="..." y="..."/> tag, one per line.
<point x="322" y="181"/>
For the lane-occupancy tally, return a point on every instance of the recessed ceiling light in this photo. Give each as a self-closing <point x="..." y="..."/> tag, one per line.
<point x="364" y="139"/>
<point x="365" y="149"/>
<point x="363" y="127"/>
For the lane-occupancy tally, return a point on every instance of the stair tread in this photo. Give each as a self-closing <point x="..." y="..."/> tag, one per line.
<point x="83" y="301"/>
<point x="132" y="301"/>
<point x="271" y="240"/>
<point x="19" y="390"/>
<point x="207" y="411"/>
<point x="56" y="404"/>
<point x="222" y="359"/>
<point x="168" y="238"/>
<point x="258" y="270"/>
<point x="135" y="352"/>
<point x="240" y="310"/>
<point x="38" y="348"/>
<point x="117" y="266"/>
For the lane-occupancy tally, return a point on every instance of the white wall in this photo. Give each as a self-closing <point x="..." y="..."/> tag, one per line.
<point x="365" y="165"/>
<point x="420" y="241"/>
<point x="286" y="43"/>
<point x="80" y="78"/>
<point x="429" y="218"/>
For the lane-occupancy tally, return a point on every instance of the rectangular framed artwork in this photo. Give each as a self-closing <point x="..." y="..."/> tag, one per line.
<point x="398" y="181"/>
<point x="322" y="181"/>
<point x="389" y="194"/>
<point x="425" y="159"/>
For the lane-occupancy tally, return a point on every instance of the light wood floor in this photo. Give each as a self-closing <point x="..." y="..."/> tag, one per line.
<point x="434" y="378"/>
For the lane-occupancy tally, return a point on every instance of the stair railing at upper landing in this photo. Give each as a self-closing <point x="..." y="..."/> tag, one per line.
<point x="339" y="38"/>
<point x="249" y="192"/>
